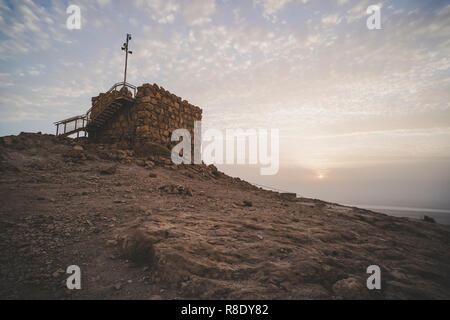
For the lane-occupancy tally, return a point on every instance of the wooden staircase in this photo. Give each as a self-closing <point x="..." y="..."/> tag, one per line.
<point x="103" y="108"/>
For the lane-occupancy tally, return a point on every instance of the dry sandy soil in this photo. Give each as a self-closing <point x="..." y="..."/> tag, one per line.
<point x="145" y="229"/>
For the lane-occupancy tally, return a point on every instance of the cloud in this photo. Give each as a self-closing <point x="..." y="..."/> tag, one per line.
<point x="342" y="2"/>
<point x="358" y="11"/>
<point x="272" y="7"/>
<point x="104" y="3"/>
<point x="331" y="19"/>
<point x="198" y="12"/>
<point x="34" y="72"/>
<point x="162" y="11"/>
<point x="28" y="27"/>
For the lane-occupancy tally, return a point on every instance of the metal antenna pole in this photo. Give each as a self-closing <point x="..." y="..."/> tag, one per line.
<point x="125" y="48"/>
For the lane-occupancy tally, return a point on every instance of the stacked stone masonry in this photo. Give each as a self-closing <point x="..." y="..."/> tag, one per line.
<point x="152" y="116"/>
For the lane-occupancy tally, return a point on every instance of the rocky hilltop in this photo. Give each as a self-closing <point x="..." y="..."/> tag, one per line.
<point x="142" y="228"/>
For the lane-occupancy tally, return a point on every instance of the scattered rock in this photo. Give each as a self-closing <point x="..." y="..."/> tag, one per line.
<point x="429" y="219"/>
<point x="111" y="242"/>
<point x="17" y="168"/>
<point x="109" y="170"/>
<point x="177" y="189"/>
<point x="57" y="273"/>
<point x="149" y="164"/>
<point x="289" y="196"/>
<point x="350" y="288"/>
<point x="138" y="248"/>
<point x="151" y="149"/>
<point x="189" y="192"/>
<point x="74" y="156"/>
<point x="188" y="174"/>
<point x="140" y="163"/>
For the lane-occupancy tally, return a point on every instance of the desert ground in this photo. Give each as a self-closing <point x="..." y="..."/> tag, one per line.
<point x="143" y="228"/>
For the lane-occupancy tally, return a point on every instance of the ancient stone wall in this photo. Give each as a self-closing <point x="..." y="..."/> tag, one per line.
<point x="152" y="117"/>
<point x="160" y="112"/>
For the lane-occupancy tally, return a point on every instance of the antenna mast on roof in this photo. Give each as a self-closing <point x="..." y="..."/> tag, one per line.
<point x="125" y="48"/>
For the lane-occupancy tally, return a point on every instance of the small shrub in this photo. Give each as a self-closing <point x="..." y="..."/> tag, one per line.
<point x="248" y="203"/>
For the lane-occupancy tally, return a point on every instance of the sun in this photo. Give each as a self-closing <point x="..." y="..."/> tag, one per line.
<point x="321" y="176"/>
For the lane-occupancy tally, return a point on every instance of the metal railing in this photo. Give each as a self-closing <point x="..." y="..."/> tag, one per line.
<point x="72" y="125"/>
<point x="123" y="84"/>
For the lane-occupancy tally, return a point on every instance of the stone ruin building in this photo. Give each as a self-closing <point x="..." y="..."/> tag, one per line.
<point x="130" y="117"/>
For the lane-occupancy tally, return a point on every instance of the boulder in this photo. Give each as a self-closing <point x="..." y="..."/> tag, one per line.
<point x="149" y="149"/>
<point x="351" y="288"/>
<point x="138" y="248"/>
<point x="108" y="170"/>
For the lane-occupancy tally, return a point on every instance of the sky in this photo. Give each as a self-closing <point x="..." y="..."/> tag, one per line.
<point x="364" y="115"/>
